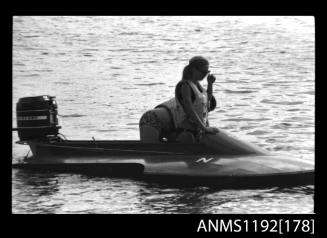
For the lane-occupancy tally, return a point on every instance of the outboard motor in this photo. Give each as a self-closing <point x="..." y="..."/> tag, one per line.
<point x="36" y="117"/>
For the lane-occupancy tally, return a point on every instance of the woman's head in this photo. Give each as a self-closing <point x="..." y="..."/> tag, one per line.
<point x="197" y="68"/>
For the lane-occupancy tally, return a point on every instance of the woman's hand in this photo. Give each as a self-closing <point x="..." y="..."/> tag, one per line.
<point x="211" y="79"/>
<point x="211" y="130"/>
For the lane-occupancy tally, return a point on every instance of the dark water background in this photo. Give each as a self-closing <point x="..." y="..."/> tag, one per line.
<point x="106" y="71"/>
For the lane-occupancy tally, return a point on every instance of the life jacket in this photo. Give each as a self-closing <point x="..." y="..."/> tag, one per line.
<point x="200" y="105"/>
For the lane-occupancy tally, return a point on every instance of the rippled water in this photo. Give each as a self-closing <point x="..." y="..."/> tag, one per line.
<point x="106" y="71"/>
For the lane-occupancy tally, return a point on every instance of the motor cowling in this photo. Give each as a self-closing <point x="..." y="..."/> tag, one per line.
<point x="37" y="117"/>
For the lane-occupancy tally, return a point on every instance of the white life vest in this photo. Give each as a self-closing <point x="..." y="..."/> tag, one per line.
<point x="200" y="106"/>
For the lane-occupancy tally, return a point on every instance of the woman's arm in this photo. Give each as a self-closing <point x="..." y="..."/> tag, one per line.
<point x="209" y="91"/>
<point x="211" y="79"/>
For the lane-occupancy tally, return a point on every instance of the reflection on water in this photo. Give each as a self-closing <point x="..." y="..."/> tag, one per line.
<point x="34" y="189"/>
<point x="106" y="71"/>
<point x="71" y="193"/>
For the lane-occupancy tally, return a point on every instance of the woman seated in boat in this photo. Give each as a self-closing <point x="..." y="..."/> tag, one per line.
<point x="183" y="118"/>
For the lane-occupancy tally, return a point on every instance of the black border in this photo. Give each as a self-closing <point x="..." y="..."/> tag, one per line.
<point x="108" y="225"/>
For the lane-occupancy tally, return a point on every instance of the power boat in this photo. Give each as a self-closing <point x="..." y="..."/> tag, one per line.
<point x="223" y="160"/>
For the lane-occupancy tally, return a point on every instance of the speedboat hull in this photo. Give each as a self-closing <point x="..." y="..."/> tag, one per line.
<point x="170" y="162"/>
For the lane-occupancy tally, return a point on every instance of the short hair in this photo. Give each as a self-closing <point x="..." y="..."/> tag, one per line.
<point x="194" y="62"/>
